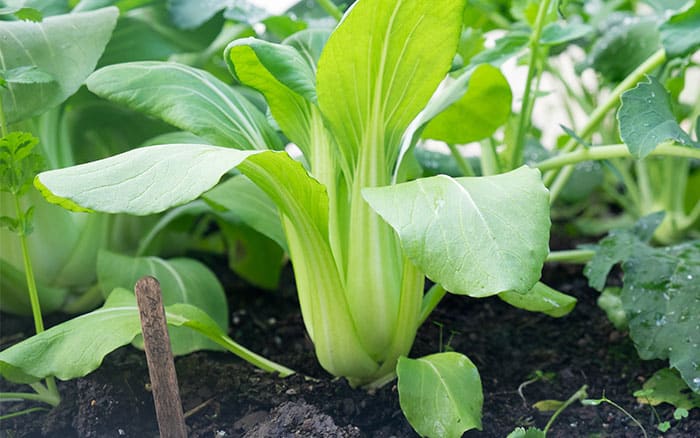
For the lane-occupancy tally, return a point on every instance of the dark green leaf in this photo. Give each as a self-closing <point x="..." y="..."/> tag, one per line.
<point x="253" y="256"/>
<point x="619" y="246"/>
<point x="646" y="119"/>
<point x="440" y="394"/>
<point x="636" y="38"/>
<point x="680" y="35"/>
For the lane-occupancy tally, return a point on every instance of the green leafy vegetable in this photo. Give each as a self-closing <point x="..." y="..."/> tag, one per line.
<point x="541" y="298"/>
<point x="646" y="119"/>
<point x="679" y="34"/>
<point x="58" y="48"/>
<point x="659" y="295"/>
<point x="182" y="281"/>
<point x="92" y="336"/>
<point x="440" y="394"/>
<point x="666" y="386"/>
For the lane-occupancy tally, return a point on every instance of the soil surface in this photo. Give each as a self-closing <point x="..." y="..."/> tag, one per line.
<point x="225" y="397"/>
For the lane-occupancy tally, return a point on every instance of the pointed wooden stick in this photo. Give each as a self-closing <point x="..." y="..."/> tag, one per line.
<point x="159" y="355"/>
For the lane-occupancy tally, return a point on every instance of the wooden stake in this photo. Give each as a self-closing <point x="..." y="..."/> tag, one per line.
<point x="159" y="355"/>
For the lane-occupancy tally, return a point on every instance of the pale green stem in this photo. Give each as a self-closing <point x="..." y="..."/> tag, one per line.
<point x="489" y="158"/>
<point x="578" y="395"/>
<point x="330" y="8"/>
<point x="630" y="184"/>
<point x="17" y="396"/>
<point x="430" y="300"/>
<point x="462" y="163"/>
<point x="32" y="289"/>
<point x="577" y="256"/>
<point x="611" y="151"/>
<point x="655" y="60"/>
<point x="3" y="122"/>
<point x="693" y="216"/>
<point x="22" y="412"/>
<point x="528" y="99"/>
<point x="647" y="198"/>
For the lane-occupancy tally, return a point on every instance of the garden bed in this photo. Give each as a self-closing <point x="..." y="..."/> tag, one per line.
<point x="224" y="396"/>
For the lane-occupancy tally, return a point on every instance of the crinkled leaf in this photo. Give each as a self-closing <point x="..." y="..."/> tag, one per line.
<point x="619" y="246"/>
<point x="189" y="98"/>
<point x="541" y="298"/>
<point x="478" y="113"/>
<point x="666" y="386"/>
<point x="556" y="33"/>
<point x="680" y="35"/>
<point x="380" y="67"/>
<point x="181" y="280"/>
<point x="440" y="394"/>
<point x="76" y="347"/>
<point x="58" y="47"/>
<point x="249" y="203"/>
<point x="660" y="295"/>
<point x="646" y="119"/>
<point x="475" y="236"/>
<point x="637" y="38"/>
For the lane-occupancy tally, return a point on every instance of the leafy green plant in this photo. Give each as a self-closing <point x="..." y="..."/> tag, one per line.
<point x="360" y="236"/>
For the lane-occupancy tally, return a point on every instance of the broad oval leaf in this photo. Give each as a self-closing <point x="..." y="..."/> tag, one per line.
<point x="141" y="181"/>
<point x="77" y="347"/>
<point x="646" y="119"/>
<point x="57" y="47"/>
<point x="541" y="298"/>
<point x="383" y="62"/>
<point x="188" y="98"/>
<point x="182" y="281"/>
<point x="440" y="394"/>
<point x="475" y="236"/>
<point x="478" y="113"/>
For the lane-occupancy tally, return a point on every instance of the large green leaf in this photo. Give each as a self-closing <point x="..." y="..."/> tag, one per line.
<point x="476" y="236"/>
<point x="646" y="119"/>
<point x="440" y="394"/>
<point x="286" y="80"/>
<point x="380" y="67"/>
<point x="191" y="99"/>
<point x="141" y="181"/>
<point x="249" y="203"/>
<point x="58" y="47"/>
<point x="478" y="113"/>
<point x="680" y="35"/>
<point x="660" y="295"/>
<point x="182" y="281"/>
<point x="78" y="346"/>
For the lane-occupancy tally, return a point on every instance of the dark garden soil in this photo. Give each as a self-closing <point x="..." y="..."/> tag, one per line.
<point x="225" y="397"/>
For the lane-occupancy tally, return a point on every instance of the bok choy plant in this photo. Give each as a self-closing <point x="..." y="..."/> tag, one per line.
<point x="361" y="235"/>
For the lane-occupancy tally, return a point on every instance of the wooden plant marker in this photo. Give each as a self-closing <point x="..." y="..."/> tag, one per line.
<point x="159" y="355"/>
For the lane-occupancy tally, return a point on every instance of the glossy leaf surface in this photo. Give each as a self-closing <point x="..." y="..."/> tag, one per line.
<point x="541" y="298"/>
<point x="440" y="394"/>
<point x="475" y="236"/>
